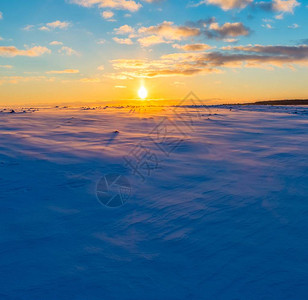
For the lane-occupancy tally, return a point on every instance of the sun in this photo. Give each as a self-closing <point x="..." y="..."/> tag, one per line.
<point x="142" y="93"/>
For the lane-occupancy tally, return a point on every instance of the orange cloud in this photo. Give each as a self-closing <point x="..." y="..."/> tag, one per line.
<point x="58" y="24"/>
<point x="169" y="31"/>
<point x="12" y="51"/>
<point x="187" y="64"/>
<point x="18" y="79"/>
<point x="152" y="40"/>
<point x="226" y="4"/>
<point x="107" y="14"/>
<point x="6" y="66"/>
<point x="66" y="71"/>
<point x="123" y="41"/>
<point x="125" y="29"/>
<point x="193" y="47"/>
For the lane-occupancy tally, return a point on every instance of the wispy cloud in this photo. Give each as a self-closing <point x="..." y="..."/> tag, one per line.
<point x="294" y="26"/>
<point x="192" y="47"/>
<point x="48" y="26"/>
<point x="227" y="30"/>
<point x="101" y="42"/>
<point x="187" y="64"/>
<point x="1" y="15"/>
<point x="66" y="71"/>
<point x="6" y="66"/>
<point x="166" y="32"/>
<point x="267" y="25"/>
<point x="90" y="80"/>
<point x="281" y="6"/>
<point x="126" y="41"/>
<point x="11" y="51"/>
<point x="67" y="51"/>
<point x="152" y="40"/>
<point x="55" y="43"/>
<point x="55" y="25"/>
<point x="226" y="4"/>
<point x="20" y="79"/>
<point x="169" y="31"/>
<point x="28" y="27"/>
<point x="129" y="5"/>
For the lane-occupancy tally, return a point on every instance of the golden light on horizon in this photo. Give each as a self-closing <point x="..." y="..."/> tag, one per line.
<point x="142" y="93"/>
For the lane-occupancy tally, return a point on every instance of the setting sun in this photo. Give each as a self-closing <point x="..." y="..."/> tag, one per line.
<point x="142" y="93"/>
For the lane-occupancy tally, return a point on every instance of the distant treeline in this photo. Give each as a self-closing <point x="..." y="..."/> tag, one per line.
<point x="281" y="102"/>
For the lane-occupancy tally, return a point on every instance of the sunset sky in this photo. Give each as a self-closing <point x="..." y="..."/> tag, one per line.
<point x="65" y="51"/>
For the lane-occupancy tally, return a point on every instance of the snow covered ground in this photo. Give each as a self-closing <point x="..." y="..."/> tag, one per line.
<point x="218" y="204"/>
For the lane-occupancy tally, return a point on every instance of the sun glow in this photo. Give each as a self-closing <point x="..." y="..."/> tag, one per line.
<point x="142" y="93"/>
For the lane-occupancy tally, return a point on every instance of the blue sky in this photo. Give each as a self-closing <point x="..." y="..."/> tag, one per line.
<point x="54" y="45"/>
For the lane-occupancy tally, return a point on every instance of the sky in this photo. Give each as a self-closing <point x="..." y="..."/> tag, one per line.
<point x="225" y="51"/>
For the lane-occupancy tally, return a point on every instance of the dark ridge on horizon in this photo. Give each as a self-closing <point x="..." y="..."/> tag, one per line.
<point x="280" y="102"/>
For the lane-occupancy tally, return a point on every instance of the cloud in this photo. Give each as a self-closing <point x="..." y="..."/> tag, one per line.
<point x="226" y="4"/>
<point x="28" y="27"/>
<point x="169" y="31"/>
<point x="286" y="6"/>
<point x="101" y="42"/>
<point x="58" y="24"/>
<point x="230" y="40"/>
<point x="1" y="15"/>
<point x="90" y="80"/>
<point x="126" y="41"/>
<point x="129" y="5"/>
<point x="108" y="15"/>
<point x="11" y="51"/>
<point x="166" y="66"/>
<point x="192" y="47"/>
<point x="165" y="32"/>
<point x="187" y="64"/>
<point x="282" y="6"/>
<point x="294" y="26"/>
<point x="44" y="28"/>
<point x="66" y="71"/>
<point x="55" y="43"/>
<point x="67" y="51"/>
<point x="6" y="66"/>
<point x="17" y="79"/>
<point x="227" y="30"/>
<point x="212" y="30"/>
<point x="152" y="40"/>
<point x="279" y="6"/>
<point x="50" y="26"/>
<point x="300" y="52"/>
<point x="125" y="29"/>
<point x="268" y="26"/>
<point x="101" y="68"/>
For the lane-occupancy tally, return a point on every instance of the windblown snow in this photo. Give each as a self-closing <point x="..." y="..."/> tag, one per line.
<point x="217" y="207"/>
